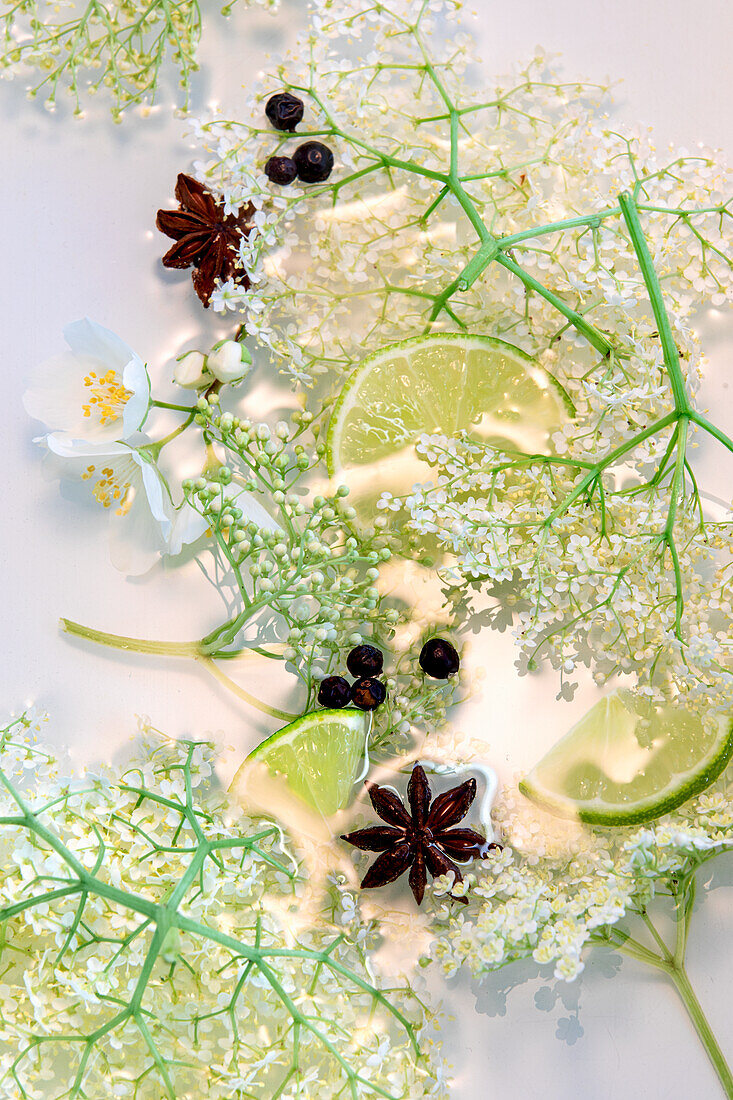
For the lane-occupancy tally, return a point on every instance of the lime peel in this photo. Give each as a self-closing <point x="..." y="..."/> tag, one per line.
<point x="625" y="762"/>
<point x="437" y="384"/>
<point x="319" y="757"/>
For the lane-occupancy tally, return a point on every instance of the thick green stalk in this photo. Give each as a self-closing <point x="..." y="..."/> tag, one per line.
<point x="671" y="962"/>
<point x="197" y="651"/>
<point x="651" y="280"/>
<point x="607" y="461"/>
<point x="681" y="982"/>
<point x="594" y="337"/>
<point x="227" y="682"/>
<point x="133" y="645"/>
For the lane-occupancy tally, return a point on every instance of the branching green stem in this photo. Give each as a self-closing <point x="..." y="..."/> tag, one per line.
<point x="651" y="281"/>
<point x="193" y="650"/>
<point x="170" y="915"/>
<point x="670" y="961"/>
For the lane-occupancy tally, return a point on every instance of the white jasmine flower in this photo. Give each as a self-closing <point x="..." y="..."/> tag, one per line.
<point x="97" y="390"/>
<point x="144" y="522"/>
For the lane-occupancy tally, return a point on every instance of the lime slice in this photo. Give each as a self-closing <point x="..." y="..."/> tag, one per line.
<point x="319" y="757"/>
<point x="626" y="762"/>
<point x="436" y="384"/>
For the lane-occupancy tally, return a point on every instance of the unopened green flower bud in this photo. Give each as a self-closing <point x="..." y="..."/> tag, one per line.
<point x="190" y="371"/>
<point x="229" y="361"/>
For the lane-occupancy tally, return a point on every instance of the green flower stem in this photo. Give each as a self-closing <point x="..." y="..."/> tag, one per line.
<point x="651" y="280"/>
<point x="134" y="645"/>
<point x="590" y="221"/>
<point x="166" y="916"/>
<point x="168" y="405"/>
<point x="681" y="982"/>
<point x="594" y="337"/>
<point x="155" y="448"/>
<point x="677" y="489"/>
<point x="681" y="417"/>
<point x="225" y="680"/>
<point x="193" y="650"/>
<point x="490" y="246"/>
<point x="711" y="429"/>
<point x="672" y="964"/>
<point x="609" y="460"/>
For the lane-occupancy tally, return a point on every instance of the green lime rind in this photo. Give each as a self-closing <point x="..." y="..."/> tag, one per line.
<point x="319" y="757"/>
<point x="670" y="798"/>
<point x="489" y="342"/>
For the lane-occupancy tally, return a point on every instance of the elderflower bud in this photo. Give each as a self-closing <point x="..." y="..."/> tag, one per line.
<point x="190" y="371"/>
<point x="229" y="361"/>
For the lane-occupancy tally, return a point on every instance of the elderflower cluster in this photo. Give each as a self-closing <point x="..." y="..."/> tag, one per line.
<point x="156" y="937"/>
<point x="296" y="567"/>
<point x="603" y="539"/>
<point x="555" y="889"/>
<point x="591" y="583"/>
<point x="384" y="248"/>
<point x="124" y="45"/>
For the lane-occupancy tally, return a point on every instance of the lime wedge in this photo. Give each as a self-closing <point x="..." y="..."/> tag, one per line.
<point x="626" y="762"/>
<point x="436" y="384"/>
<point x="318" y="757"/>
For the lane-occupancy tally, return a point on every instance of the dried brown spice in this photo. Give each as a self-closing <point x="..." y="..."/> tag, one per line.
<point x="421" y="838"/>
<point x="205" y="237"/>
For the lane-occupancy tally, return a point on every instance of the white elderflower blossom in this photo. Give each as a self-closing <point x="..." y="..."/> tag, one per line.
<point x="125" y="44"/>
<point x="520" y="212"/>
<point x="154" y="932"/>
<point x="554" y="232"/>
<point x="377" y="251"/>
<point x="556" y="888"/>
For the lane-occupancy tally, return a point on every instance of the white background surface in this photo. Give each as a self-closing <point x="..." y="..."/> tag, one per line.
<point x="79" y="202"/>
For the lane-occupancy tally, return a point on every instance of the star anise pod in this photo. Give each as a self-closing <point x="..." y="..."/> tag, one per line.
<point x="421" y="838"/>
<point x="206" y="238"/>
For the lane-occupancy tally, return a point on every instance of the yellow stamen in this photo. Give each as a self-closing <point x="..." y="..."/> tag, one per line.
<point x="108" y="490"/>
<point x="108" y="396"/>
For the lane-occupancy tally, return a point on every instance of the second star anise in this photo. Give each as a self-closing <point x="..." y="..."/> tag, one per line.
<point x="206" y="238"/>
<point x="421" y="838"/>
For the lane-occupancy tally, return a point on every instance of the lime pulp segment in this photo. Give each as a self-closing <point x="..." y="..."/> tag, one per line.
<point x="626" y="762"/>
<point x="319" y="757"/>
<point x="440" y="384"/>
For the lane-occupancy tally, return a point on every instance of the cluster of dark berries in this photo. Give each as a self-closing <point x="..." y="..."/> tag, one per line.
<point x="365" y="662"/>
<point x="439" y="659"/>
<point x="311" y="162"/>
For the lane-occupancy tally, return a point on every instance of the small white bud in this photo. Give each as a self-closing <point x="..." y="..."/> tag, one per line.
<point x="229" y="361"/>
<point x="190" y="371"/>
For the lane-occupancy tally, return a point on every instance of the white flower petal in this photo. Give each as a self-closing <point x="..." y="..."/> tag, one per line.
<point x="136" y="379"/>
<point x="136" y="540"/>
<point x="190" y="370"/>
<point x="188" y="526"/>
<point x="65" y="447"/>
<point x="229" y="361"/>
<point x="87" y="338"/>
<point x="159" y="502"/>
<point x="52" y="397"/>
<point x="98" y="390"/>
<point x="142" y="527"/>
